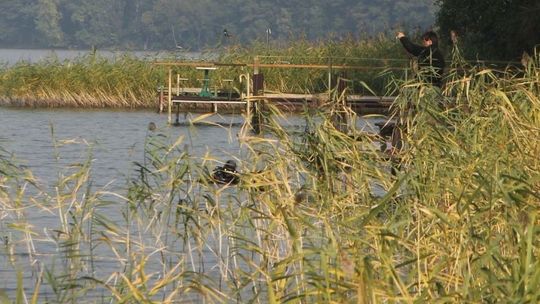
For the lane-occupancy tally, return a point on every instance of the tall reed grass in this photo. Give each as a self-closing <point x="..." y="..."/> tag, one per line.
<point x="87" y="81"/>
<point x="374" y="59"/>
<point x="318" y="215"/>
<point x="128" y="82"/>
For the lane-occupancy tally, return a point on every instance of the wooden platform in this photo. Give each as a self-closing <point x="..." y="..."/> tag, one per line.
<point x="285" y="101"/>
<point x="360" y="104"/>
<point x="251" y="79"/>
<point x="207" y="100"/>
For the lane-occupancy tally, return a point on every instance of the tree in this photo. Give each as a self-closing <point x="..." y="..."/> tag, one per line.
<point x="196" y="24"/>
<point x="95" y="23"/>
<point x="17" y="22"/>
<point x="48" y="22"/>
<point x="491" y="29"/>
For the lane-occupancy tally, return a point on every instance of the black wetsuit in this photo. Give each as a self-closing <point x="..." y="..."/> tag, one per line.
<point x="226" y="174"/>
<point x="430" y="59"/>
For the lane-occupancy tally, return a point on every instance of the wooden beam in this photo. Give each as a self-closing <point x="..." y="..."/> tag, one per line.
<point x="277" y="65"/>
<point x="169" y="97"/>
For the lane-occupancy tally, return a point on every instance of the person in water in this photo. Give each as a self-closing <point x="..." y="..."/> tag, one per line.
<point x="226" y="174"/>
<point x="430" y="59"/>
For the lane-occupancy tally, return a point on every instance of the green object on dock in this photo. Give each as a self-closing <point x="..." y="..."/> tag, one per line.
<point x="205" y="91"/>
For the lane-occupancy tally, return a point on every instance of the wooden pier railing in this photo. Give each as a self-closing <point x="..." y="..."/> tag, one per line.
<point x="175" y="94"/>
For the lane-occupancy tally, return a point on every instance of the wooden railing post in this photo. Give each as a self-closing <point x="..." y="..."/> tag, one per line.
<point x="329" y="78"/>
<point x="161" y="99"/>
<point x="258" y="90"/>
<point x="169" y="97"/>
<point x="256" y="65"/>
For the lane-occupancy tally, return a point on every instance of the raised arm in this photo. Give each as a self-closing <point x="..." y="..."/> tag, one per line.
<point x="412" y="48"/>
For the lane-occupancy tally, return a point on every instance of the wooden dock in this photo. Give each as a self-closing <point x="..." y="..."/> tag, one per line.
<point x="358" y="103"/>
<point x="284" y="101"/>
<point x="205" y="99"/>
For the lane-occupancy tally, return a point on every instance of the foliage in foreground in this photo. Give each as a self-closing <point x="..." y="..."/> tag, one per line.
<point x="318" y="216"/>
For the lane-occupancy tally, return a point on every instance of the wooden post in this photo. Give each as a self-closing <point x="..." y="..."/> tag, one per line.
<point x="329" y="79"/>
<point x="257" y="86"/>
<point x="177" y="122"/>
<point x="342" y="85"/>
<point x="177" y="84"/>
<point x="340" y="117"/>
<point x="256" y="65"/>
<point x="255" y="118"/>
<point x="161" y="99"/>
<point x="246" y="97"/>
<point x="258" y="90"/>
<point x="169" y="97"/>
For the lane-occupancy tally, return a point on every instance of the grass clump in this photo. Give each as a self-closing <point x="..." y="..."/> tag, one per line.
<point x="89" y="81"/>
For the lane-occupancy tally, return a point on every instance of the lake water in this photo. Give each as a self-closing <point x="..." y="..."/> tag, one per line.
<point x="12" y="56"/>
<point x="116" y="140"/>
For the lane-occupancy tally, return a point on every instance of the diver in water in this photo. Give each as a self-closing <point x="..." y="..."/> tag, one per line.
<point x="226" y="174"/>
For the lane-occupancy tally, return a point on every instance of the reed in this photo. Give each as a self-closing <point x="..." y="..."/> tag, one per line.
<point x="87" y="81"/>
<point x="93" y="81"/>
<point x="318" y="215"/>
<point x="376" y="58"/>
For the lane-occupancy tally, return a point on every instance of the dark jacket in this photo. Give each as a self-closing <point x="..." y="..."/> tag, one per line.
<point x="430" y="60"/>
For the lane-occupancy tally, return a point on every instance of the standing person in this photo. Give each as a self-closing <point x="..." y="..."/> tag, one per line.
<point x="431" y="67"/>
<point x="430" y="59"/>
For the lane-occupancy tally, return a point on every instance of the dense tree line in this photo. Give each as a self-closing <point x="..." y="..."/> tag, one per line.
<point x="501" y="29"/>
<point x="487" y="29"/>
<point x="163" y="24"/>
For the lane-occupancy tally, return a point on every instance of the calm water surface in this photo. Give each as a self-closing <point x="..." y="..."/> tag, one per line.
<point x="12" y="56"/>
<point x="115" y="139"/>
